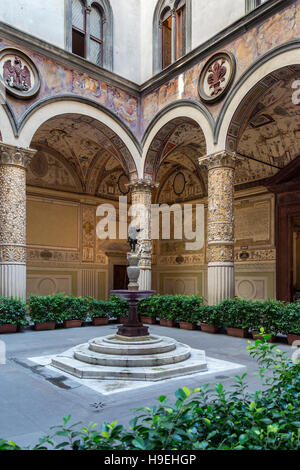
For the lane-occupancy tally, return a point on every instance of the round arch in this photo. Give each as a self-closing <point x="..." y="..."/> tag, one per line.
<point x="48" y="110"/>
<point x="187" y="111"/>
<point x="278" y="58"/>
<point x="7" y="128"/>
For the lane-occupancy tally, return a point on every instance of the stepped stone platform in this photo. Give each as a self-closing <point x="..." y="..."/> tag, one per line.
<point x="149" y="358"/>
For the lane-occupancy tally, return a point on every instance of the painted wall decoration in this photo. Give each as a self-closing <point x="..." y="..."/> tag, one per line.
<point x="58" y="79"/>
<point x="216" y="77"/>
<point x="278" y="29"/>
<point x="18" y="73"/>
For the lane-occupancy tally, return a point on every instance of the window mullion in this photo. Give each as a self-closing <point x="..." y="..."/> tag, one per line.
<point x="173" y="35"/>
<point x="87" y="32"/>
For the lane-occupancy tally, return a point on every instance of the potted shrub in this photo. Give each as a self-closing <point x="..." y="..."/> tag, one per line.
<point x="164" y="307"/>
<point x="210" y="319"/>
<point x="119" y="308"/>
<point x="44" y="310"/>
<point x="145" y="311"/>
<point x="99" y="311"/>
<point x="235" y="316"/>
<point x="12" y="314"/>
<point x="189" y="311"/>
<point x="271" y="311"/>
<point x="289" y="323"/>
<point x="75" y="311"/>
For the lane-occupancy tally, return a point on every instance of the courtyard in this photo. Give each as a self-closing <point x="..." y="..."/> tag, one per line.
<point x="35" y="398"/>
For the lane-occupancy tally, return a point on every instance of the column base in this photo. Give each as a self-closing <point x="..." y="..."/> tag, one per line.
<point x="221" y="282"/>
<point x="13" y="280"/>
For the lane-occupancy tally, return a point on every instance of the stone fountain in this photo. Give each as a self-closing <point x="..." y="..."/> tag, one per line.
<point x="132" y="353"/>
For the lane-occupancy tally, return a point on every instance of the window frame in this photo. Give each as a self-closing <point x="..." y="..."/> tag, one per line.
<point x="172" y="6"/>
<point x="106" y="13"/>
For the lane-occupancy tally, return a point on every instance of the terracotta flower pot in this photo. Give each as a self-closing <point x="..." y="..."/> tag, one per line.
<point x="148" y="320"/>
<point x="169" y="323"/>
<point x="72" y="323"/>
<point x="292" y="338"/>
<point x="255" y="336"/>
<point x="187" y="326"/>
<point x="44" y="326"/>
<point x="7" y="328"/>
<point x="209" y="328"/>
<point x="100" y="321"/>
<point x="237" y="332"/>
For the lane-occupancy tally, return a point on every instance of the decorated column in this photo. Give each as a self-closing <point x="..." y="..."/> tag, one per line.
<point x="142" y="195"/>
<point x="13" y="162"/>
<point x="220" y="229"/>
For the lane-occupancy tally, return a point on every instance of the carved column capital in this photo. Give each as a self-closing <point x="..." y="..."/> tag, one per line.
<point x="142" y="185"/>
<point x="16" y="156"/>
<point x="222" y="159"/>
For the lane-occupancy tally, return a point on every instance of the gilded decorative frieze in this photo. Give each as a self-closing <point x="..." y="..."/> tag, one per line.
<point x="12" y="254"/>
<point x="88" y="234"/>
<point x="57" y="256"/>
<point x="220" y="254"/>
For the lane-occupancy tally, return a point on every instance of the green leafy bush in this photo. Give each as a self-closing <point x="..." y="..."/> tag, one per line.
<point x="272" y="312"/>
<point x="99" y="308"/>
<point x="119" y="307"/>
<point x="211" y="315"/>
<point x="289" y="321"/>
<point x="75" y="308"/>
<point x="46" y="308"/>
<point x="12" y="311"/>
<point x="205" y="418"/>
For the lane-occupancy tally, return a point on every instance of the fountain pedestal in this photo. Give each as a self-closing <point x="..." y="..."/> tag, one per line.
<point x="133" y="328"/>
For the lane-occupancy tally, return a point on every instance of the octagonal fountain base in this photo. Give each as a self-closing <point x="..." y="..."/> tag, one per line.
<point x="148" y="358"/>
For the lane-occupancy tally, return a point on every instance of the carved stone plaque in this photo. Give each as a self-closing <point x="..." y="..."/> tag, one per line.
<point x="217" y="76"/>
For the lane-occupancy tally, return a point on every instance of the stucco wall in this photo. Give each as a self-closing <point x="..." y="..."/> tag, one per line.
<point x="133" y="27"/>
<point x="45" y="20"/>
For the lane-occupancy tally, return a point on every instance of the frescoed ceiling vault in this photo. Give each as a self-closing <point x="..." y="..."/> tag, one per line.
<point x="266" y="127"/>
<point x="79" y="153"/>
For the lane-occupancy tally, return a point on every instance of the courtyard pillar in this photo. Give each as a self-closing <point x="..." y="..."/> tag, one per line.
<point x="220" y="225"/>
<point x="13" y="162"/>
<point x="141" y="191"/>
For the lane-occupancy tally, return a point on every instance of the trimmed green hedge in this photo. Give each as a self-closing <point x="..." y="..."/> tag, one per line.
<point x="61" y="307"/>
<point x="272" y="315"/>
<point x="12" y="312"/>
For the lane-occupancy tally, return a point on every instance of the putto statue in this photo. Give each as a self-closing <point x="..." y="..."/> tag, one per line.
<point x="133" y="233"/>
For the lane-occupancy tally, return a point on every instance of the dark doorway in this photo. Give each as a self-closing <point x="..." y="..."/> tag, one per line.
<point x="286" y="186"/>
<point x="120" y="277"/>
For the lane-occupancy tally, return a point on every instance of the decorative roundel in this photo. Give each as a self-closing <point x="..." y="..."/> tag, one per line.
<point x="123" y="181"/>
<point x="217" y="76"/>
<point x="179" y="183"/>
<point x="18" y="73"/>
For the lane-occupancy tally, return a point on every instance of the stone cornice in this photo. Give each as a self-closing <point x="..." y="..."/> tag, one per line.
<point x="196" y="55"/>
<point x="17" y="156"/>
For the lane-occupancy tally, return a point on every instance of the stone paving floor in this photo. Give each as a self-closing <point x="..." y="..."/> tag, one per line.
<point x="34" y="398"/>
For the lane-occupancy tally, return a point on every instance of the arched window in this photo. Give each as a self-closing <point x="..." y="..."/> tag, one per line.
<point x="171" y="32"/>
<point x="91" y="23"/>
<point x="78" y="28"/>
<point x="96" y="36"/>
<point x="252" y="4"/>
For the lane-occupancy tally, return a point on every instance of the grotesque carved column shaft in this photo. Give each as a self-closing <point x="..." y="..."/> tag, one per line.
<point x="13" y="162"/>
<point x="221" y="167"/>
<point x="142" y="194"/>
